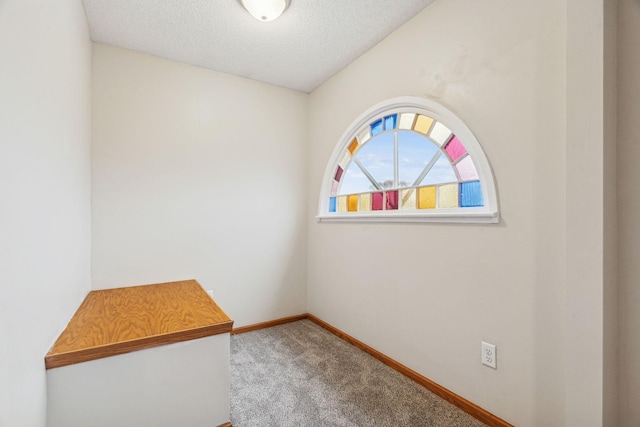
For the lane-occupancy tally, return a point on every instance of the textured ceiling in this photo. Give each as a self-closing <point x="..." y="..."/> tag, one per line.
<point x="309" y="43"/>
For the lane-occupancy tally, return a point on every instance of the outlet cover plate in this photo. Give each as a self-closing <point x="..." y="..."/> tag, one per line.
<point x="489" y="355"/>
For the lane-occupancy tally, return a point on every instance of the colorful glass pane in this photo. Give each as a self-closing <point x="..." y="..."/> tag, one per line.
<point x="339" y="174"/>
<point x="390" y="122"/>
<point x="352" y="203"/>
<point x="423" y="124"/>
<point x="332" y="204"/>
<point x="365" y="202"/>
<point x="334" y="188"/>
<point x="391" y="200"/>
<point x="364" y="136"/>
<point x="427" y="197"/>
<point x="406" y="121"/>
<point x="467" y="170"/>
<point x="440" y="133"/>
<point x="354" y="146"/>
<point x="471" y="194"/>
<point x="408" y="198"/>
<point x="376" y="127"/>
<point x="342" y="204"/>
<point x="377" y="201"/>
<point x="448" y="196"/>
<point x="455" y="149"/>
<point x="345" y="160"/>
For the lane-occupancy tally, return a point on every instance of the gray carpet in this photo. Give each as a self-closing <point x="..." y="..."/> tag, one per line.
<point x="300" y="375"/>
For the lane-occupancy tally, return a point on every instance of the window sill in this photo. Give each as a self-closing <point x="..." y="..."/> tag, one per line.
<point x="473" y="217"/>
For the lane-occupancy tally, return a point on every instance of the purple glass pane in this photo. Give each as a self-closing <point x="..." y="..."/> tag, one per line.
<point x="455" y="149"/>
<point x="377" y="201"/>
<point x="467" y="169"/>
<point x="339" y="174"/>
<point x="392" y="200"/>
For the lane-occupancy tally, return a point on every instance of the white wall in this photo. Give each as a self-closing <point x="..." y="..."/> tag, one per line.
<point x="45" y="119"/>
<point x="629" y="210"/>
<point x="198" y="174"/>
<point x="427" y="294"/>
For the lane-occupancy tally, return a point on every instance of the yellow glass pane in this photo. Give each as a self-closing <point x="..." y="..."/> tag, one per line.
<point x="365" y="202"/>
<point x="448" y="196"/>
<point x="440" y="133"/>
<point x="364" y="136"/>
<point x="354" y="146"/>
<point x="342" y="204"/>
<point x="406" y="121"/>
<point x="408" y="199"/>
<point x="427" y="197"/>
<point x="352" y="203"/>
<point x="423" y="124"/>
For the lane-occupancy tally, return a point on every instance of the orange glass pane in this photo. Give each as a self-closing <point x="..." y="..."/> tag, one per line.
<point x="427" y="197"/>
<point x="365" y="202"/>
<point x="423" y="124"/>
<point x="352" y="203"/>
<point x="408" y="199"/>
<point x="448" y="196"/>
<point x="354" y="146"/>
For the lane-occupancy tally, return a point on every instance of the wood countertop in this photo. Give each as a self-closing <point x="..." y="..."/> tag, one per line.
<point x="117" y="321"/>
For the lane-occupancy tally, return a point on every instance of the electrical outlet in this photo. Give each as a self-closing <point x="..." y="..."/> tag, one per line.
<point x="489" y="355"/>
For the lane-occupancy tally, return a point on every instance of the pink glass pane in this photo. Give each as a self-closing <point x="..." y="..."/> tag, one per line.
<point x="377" y="200"/>
<point x="455" y="149"/>
<point x="339" y="174"/>
<point x="392" y="200"/>
<point x="467" y="169"/>
<point x="334" y="188"/>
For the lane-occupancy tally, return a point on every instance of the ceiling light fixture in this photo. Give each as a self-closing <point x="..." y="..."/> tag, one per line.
<point x="265" y="10"/>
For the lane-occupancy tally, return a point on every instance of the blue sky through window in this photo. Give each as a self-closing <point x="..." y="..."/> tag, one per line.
<point x="415" y="151"/>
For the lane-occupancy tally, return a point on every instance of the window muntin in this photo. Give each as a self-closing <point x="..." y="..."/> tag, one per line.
<point x="409" y="159"/>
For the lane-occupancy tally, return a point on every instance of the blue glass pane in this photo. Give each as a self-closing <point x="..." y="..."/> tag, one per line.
<point x="376" y="127"/>
<point x="332" y="204"/>
<point x="390" y="122"/>
<point x="470" y="194"/>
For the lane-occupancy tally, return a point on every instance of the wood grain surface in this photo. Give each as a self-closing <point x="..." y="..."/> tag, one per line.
<point x="268" y="324"/>
<point x="117" y="321"/>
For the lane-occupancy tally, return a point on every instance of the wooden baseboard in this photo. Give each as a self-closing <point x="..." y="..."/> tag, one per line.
<point x="459" y="401"/>
<point x="269" y="324"/>
<point x="226" y="425"/>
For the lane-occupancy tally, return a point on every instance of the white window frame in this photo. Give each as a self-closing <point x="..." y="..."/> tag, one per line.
<point x="407" y="104"/>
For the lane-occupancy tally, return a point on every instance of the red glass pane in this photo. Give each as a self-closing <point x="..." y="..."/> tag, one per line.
<point x="377" y="201"/>
<point x="392" y="200"/>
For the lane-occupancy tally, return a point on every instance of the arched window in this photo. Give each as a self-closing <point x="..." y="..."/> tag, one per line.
<point x="408" y="159"/>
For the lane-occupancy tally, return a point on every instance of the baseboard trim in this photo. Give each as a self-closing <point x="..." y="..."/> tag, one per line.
<point x="226" y="425"/>
<point x="269" y="324"/>
<point x="459" y="401"/>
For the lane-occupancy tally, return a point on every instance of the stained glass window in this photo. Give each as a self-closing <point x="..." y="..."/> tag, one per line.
<point x="413" y="160"/>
